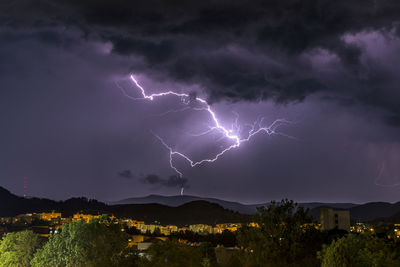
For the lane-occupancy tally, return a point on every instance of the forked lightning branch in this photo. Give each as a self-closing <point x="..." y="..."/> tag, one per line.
<point x="234" y="134"/>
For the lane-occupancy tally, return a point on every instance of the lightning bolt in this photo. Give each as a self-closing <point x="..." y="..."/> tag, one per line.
<point x="232" y="134"/>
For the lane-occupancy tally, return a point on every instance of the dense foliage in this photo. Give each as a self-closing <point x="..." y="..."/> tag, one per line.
<point x="284" y="237"/>
<point x="172" y="254"/>
<point x="226" y="238"/>
<point x="359" y="250"/>
<point x="97" y="243"/>
<point x="17" y="249"/>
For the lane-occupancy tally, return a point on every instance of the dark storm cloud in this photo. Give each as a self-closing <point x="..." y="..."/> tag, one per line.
<point x="332" y="65"/>
<point x="393" y="120"/>
<point x="153" y="179"/>
<point x="126" y="174"/>
<point x="49" y="37"/>
<point x="154" y="52"/>
<point x="172" y="181"/>
<point x="242" y="50"/>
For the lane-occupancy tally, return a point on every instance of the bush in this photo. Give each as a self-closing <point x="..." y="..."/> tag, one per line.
<point x="359" y="250"/>
<point x="98" y="243"/>
<point x="17" y="249"/>
<point x="284" y="237"/>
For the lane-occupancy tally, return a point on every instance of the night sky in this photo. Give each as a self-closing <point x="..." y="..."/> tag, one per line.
<point x="331" y="68"/>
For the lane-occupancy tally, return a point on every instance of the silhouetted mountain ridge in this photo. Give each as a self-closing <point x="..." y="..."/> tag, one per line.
<point x="188" y="213"/>
<point x="178" y="200"/>
<point x="358" y="212"/>
<point x="175" y="201"/>
<point x="181" y="210"/>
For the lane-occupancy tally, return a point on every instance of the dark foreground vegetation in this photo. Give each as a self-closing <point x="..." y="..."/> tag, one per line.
<point x="283" y="235"/>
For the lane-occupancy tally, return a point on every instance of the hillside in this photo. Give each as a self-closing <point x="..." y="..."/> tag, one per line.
<point x="374" y="210"/>
<point x="189" y="213"/>
<point x="181" y="210"/>
<point x="175" y="201"/>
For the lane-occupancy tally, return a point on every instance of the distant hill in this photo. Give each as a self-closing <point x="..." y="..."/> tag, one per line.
<point x="392" y="219"/>
<point x="189" y="213"/>
<point x="313" y="205"/>
<point x="374" y="210"/>
<point x="13" y="205"/>
<point x="174" y="201"/>
<point x="181" y="210"/>
<point x="358" y="212"/>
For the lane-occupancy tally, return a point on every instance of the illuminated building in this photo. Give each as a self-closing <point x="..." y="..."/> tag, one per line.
<point x="135" y="239"/>
<point x="183" y="229"/>
<point x="254" y="224"/>
<point x="360" y="228"/>
<point x="54" y="222"/>
<point x="48" y="216"/>
<point x="219" y="228"/>
<point x="84" y="217"/>
<point x="396" y="230"/>
<point x="23" y="218"/>
<point x="201" y="228"/>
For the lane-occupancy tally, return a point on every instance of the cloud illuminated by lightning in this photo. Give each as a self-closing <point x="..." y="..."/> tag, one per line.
<point x="232" y="134"/>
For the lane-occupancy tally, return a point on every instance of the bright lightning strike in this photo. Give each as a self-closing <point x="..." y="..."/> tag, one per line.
<point x="232" y="134"/>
